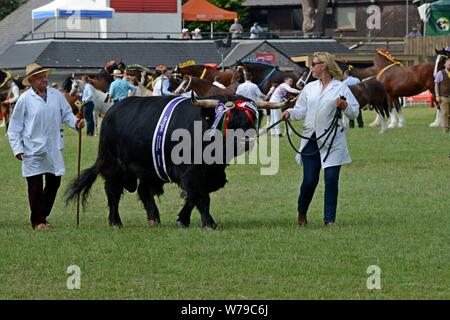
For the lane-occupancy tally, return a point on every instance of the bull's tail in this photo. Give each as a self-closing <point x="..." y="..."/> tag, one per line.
<point x="82" y="184"/>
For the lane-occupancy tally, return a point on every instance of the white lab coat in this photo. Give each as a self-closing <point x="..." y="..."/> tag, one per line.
<point x="318" y="109"/>
<point x="161" y="87"/>
<point x="250" y="90"/>
<point x="35" y="131"/>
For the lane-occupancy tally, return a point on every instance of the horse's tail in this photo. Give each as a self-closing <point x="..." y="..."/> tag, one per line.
<point x="83" y="183"/>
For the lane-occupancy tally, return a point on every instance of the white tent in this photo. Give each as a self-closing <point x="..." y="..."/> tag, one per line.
<point x="84" y="9"/>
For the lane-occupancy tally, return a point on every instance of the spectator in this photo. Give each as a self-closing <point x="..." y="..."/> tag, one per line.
<point x="185" y="34"/>
<point x="255" y="31"/>
<point x="414" y="33"/>
<point x="196" y="34"/>
<point x="236" y="29"/>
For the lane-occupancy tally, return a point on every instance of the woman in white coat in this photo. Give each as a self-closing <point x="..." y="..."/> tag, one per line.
<point x="317" y="105"/>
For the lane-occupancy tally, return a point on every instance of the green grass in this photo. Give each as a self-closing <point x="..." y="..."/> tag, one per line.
<point x="393" y="212"/>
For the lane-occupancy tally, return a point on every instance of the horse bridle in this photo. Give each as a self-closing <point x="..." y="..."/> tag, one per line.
<point x="436" y="63"/>
<point x="181" y="87"/>
<point x="267" y="76"/>
<point x="304" y="81"/>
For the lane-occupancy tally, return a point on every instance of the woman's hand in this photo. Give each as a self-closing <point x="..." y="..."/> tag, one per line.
<point x="341" y="104"/>
<point x="285" y="115"/>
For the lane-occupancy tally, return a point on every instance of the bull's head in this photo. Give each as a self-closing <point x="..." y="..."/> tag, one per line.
<point x="236" y="113"/>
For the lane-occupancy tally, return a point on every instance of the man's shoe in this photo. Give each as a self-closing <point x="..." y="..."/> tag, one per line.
<point x="330" y="224"/>
<point x="302" y="221"/>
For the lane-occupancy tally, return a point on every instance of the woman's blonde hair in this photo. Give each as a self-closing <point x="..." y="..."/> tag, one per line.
<point x="330" y="61"/>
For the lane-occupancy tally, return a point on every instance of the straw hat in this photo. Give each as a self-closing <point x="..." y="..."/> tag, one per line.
<point x="117" y="73"/>
<point x="33" y="69"/>
<point x="197" y="30"/>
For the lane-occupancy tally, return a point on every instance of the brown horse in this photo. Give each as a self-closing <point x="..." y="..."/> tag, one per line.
<point x="400" y="81"/>
<point x="363" y="73"/>
<point x="204" y="88"/>
<point x="370" y="92"/>
<point x="102" y="80"/>
<point x="208" y="73"/>
<point x="264" y="74"/>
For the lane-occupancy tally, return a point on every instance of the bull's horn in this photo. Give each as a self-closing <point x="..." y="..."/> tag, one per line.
<point x="270" y="105"/>
<point x="206" y="103"/>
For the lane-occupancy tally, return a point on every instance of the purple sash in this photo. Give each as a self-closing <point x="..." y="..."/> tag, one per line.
<point x="159" y="138"/>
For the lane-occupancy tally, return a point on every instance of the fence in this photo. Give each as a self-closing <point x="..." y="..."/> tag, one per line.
<point x="424" y="46"/>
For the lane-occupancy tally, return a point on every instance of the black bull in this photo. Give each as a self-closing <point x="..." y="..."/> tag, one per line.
<point x="125" y="158"/>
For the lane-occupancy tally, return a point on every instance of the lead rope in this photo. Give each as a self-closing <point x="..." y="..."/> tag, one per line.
<point x="327" y="133"/>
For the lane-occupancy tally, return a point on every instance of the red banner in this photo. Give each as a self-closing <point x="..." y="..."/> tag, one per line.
<point x="144" y="6"/>
<point x="266" y="57"/>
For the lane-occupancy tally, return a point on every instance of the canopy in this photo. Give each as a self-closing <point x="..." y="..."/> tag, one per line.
<point x="202" y="10"/>
<point x="436" y="17"/>
<point x="65" y="8"/>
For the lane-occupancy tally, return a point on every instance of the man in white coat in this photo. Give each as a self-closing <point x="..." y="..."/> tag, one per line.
<point x="317" y="105"/>
<point x="36" y="139"/>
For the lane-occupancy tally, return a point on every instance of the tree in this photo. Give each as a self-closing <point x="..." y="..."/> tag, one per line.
<point x="222" y="26"/>
<point x="313" y="14"/>
<point x="9" y="6"/>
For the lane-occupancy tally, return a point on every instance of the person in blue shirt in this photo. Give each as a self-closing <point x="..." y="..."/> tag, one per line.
<point x="350" y="80"/>
<point x="118" y="89"/>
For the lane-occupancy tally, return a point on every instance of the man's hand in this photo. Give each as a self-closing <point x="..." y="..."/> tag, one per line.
<point x="285" y="115"/>
<point x="438" y="99"/>
<point x="79" y="123"/>
<point x="19" y="156"/>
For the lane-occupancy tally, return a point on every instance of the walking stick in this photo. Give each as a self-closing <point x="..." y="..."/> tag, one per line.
<point x="80" y="116"/>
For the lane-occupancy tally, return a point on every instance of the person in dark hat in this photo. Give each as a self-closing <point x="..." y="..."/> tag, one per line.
<point x="36" y="139"/>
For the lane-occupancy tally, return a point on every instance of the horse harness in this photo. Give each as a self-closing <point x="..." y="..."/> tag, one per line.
<point x="386" y="68"/>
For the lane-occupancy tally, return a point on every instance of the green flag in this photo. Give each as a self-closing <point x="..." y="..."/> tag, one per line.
<point x="438" y="14"/>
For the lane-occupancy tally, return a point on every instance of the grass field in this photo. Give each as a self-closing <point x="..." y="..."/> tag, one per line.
<point x="393" y="212"/>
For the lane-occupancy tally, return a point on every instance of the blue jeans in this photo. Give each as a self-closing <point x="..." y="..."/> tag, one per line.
<point x="311" y="172"/>
<point x="89" y="115"/>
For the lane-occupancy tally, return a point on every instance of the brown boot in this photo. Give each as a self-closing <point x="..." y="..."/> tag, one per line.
<point x="302" y="221"/>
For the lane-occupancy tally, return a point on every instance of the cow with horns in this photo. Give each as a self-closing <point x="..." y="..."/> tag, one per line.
<point x="136" y="151"/>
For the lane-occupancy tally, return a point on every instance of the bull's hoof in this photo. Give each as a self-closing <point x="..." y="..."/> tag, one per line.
<point x="182" y="225"/>
<point x="210" y="226"/>
<point x="153" y="223"/>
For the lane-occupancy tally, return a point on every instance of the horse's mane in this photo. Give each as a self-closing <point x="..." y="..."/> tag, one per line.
<point x="67" y="84"/>
<point x="385" y="53"/>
